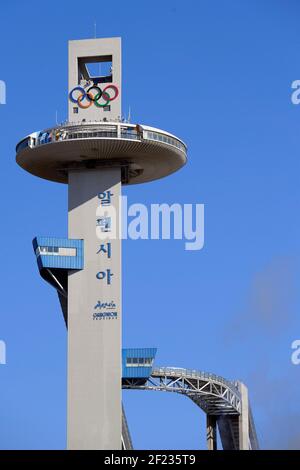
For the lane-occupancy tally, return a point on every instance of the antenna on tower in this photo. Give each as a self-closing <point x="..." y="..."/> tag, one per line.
<point x="95" y="29"/>
<point x="129" y="114"/>
<point x="56" y="117"/>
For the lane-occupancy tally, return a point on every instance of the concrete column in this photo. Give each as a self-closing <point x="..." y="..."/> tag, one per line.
<point x="244" y="418"/>
<point x="94" y="313"/>
<point x="211" y="432"/>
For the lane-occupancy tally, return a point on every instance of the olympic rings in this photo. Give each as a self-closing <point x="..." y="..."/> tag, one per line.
<point x="94" y="87"/>
<point x="114" y="88"/>
<point x="81" y="98"/>
<point x="105" y="96"/>
<point x="79" y="88"/>
<point x="93" y="98"/>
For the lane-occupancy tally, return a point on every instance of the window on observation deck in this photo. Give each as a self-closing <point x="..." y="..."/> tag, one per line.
<point x="55" y="250"/>
<point x="139" y="362"/>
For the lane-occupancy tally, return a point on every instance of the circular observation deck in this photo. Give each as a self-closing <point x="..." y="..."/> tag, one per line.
<point x="144" y="153"/>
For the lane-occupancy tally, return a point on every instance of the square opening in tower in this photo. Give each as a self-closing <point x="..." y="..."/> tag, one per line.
<point x="95" y="69"/>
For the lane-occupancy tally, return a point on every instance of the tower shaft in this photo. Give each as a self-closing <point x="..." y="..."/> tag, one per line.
<point x="94" y="312"/>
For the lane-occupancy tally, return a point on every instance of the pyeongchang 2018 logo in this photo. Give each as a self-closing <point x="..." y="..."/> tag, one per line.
<point x="2" y="92"/>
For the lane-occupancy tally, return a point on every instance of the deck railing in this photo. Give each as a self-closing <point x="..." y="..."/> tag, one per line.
<point x="99" y="131"/>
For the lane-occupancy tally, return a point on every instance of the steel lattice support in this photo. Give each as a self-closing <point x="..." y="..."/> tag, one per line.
<point x="225" y="403"/>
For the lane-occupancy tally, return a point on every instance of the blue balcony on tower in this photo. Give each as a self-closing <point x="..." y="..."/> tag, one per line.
<point x="137" y="363"/>
<point x="58" y="253"/>
<point x="56" y="257"/>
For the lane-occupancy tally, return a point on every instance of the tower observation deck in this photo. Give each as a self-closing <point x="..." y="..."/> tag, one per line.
<point x="95" y="135"/>
<point x="94" y="153"/>
<point x="142" y="153"/>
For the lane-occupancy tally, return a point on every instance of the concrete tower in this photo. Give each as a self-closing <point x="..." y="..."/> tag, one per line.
<point x="95" y="152"/>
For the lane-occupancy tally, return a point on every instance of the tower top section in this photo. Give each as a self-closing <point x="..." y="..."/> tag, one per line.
<point x="95" y="134"/>
<point x="95" y="80"/>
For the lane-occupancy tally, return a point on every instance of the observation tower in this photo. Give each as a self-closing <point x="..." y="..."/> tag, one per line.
<point x="94" y="153"/>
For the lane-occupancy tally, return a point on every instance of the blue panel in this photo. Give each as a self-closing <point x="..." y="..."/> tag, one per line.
<point x="59" y="261"/>
<point x="137" y="371"/>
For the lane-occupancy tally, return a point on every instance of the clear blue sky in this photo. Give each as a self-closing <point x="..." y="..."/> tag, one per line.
<point x="218" y="75"/>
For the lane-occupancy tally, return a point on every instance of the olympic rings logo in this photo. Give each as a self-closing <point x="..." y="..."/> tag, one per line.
<point x="92" y="95"/>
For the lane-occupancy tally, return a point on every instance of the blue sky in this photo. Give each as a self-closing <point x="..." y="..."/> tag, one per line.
<point x="217" y="74"/>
